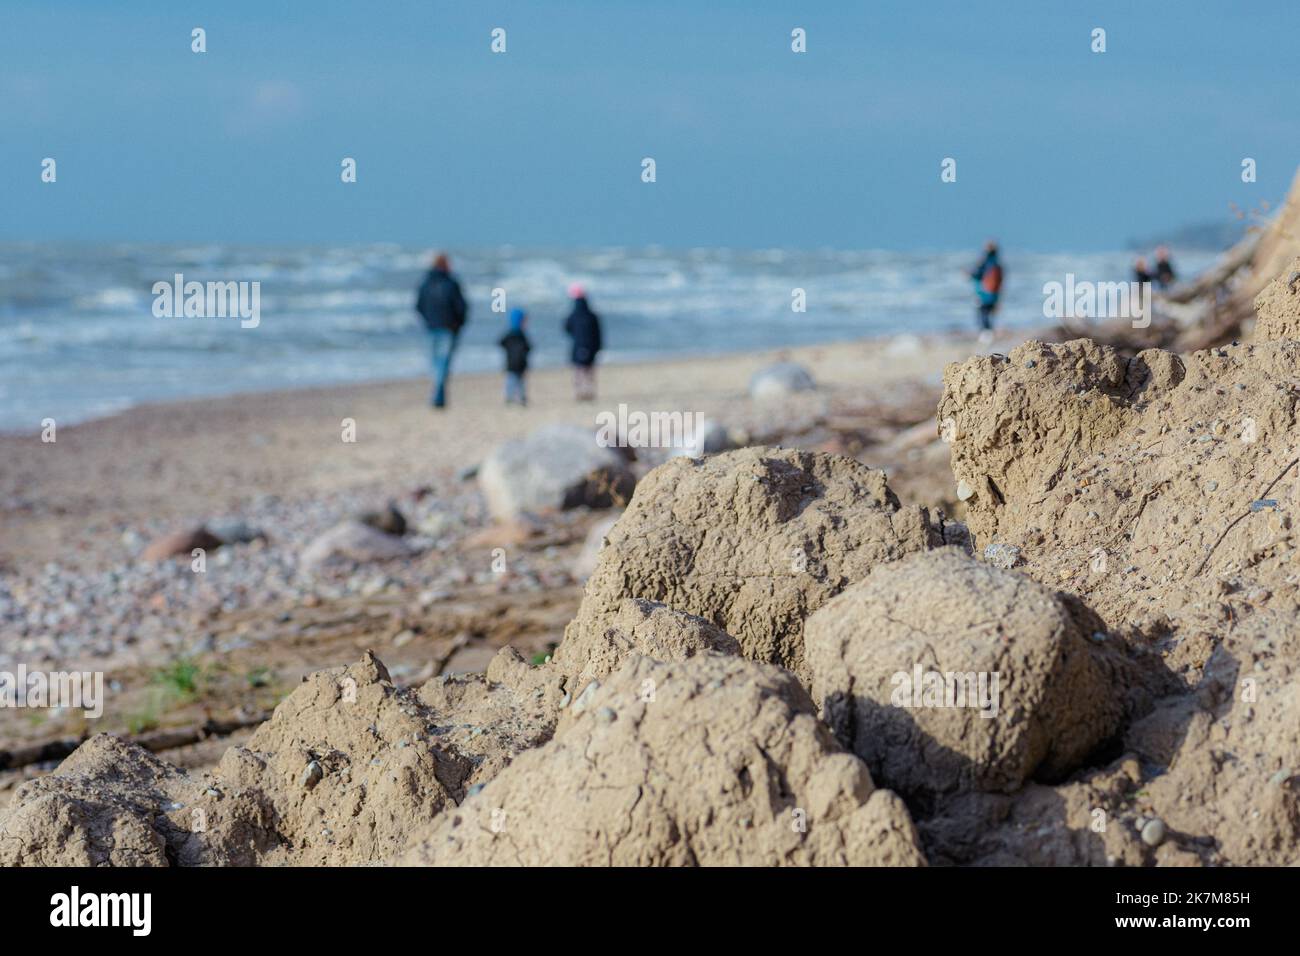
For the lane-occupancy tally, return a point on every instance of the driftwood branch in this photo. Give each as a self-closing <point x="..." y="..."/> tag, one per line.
<point x="154" y="741"/>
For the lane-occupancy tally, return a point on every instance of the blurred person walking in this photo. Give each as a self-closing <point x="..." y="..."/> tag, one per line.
<point x="516" y="347"/>
<point x="442" y="306"/>
<point x="988" y="277"/>
<point x="583" y="327"/>
<point x="1165" y="275"/>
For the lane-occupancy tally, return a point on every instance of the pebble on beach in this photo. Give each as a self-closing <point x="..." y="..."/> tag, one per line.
<point x="1153" y="832"/>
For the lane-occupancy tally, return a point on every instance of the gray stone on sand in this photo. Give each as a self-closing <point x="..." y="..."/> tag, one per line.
<point x="1004" y="556"/>
<point x="311" y="775"/>
<point x="556" y="467"/>
<point x="387" y="519"/>
<point x="779" y="380"/>
<point x="709" y="438"/>
<point x="352" y="541"/>
<point x="235" y="531"/>
<point x="1153" y="832"/>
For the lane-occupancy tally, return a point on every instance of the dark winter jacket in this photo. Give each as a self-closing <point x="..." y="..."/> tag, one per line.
<point x="1164" y="272"/>
<point x="583" y="326"/>
<point x="516" y="345"/>
<point x="440" y="302"/>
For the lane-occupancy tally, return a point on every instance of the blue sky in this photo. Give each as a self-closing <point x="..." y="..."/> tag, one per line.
<point x="1057" y="147"/>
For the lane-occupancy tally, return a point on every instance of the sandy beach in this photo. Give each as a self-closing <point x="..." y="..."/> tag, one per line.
<point x="342" y="651"/>
<point x="78" y="514"/>
<point x="157" y="465"/>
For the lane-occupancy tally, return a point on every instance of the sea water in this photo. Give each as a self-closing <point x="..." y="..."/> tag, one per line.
<point x="80" y="336"/>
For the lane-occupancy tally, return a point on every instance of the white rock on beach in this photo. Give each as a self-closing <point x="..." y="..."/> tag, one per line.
<point x="554" y="468"/>
<point x="781" y="379"/>
<point x="904" y="346"/>
<point x="708" y="438"/>
<point x="352" y="541"/>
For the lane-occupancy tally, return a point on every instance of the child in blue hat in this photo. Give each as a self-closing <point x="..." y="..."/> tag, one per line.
<point x="516" y="347"/>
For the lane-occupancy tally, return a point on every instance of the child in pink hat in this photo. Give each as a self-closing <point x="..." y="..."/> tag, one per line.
<point x="583" y="327"/>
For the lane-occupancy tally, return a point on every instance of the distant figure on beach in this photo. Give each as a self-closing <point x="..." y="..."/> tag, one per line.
<point x="583" y="326"/>
<point x="1140" y="271"/>
<point x="1164" y="268"/>
<point x="516" y="347"/>
<point x="442" y="306"/>
<point x="988" y="286"/>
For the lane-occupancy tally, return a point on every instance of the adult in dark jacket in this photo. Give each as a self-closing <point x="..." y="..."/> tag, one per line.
<point x="583" y="326"/>
<point x="442" y="306"/>
<point x="1165" y="274"/>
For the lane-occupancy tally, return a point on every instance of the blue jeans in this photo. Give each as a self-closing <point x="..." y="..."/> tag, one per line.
<point x="442" y="342"/>
<point x="515" y="388"/>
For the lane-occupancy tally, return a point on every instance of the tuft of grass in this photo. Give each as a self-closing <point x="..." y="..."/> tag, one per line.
<point x="179" y="679"/>
<point x="541" y="657"/>
<point x="146" y="718"/>
<point x="259" y="677"/>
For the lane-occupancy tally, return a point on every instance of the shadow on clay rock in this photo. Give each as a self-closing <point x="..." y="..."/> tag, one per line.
<point x="1026" y="825"/>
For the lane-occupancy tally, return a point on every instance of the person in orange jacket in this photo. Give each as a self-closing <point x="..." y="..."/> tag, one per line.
<point x="988" y="286"/>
